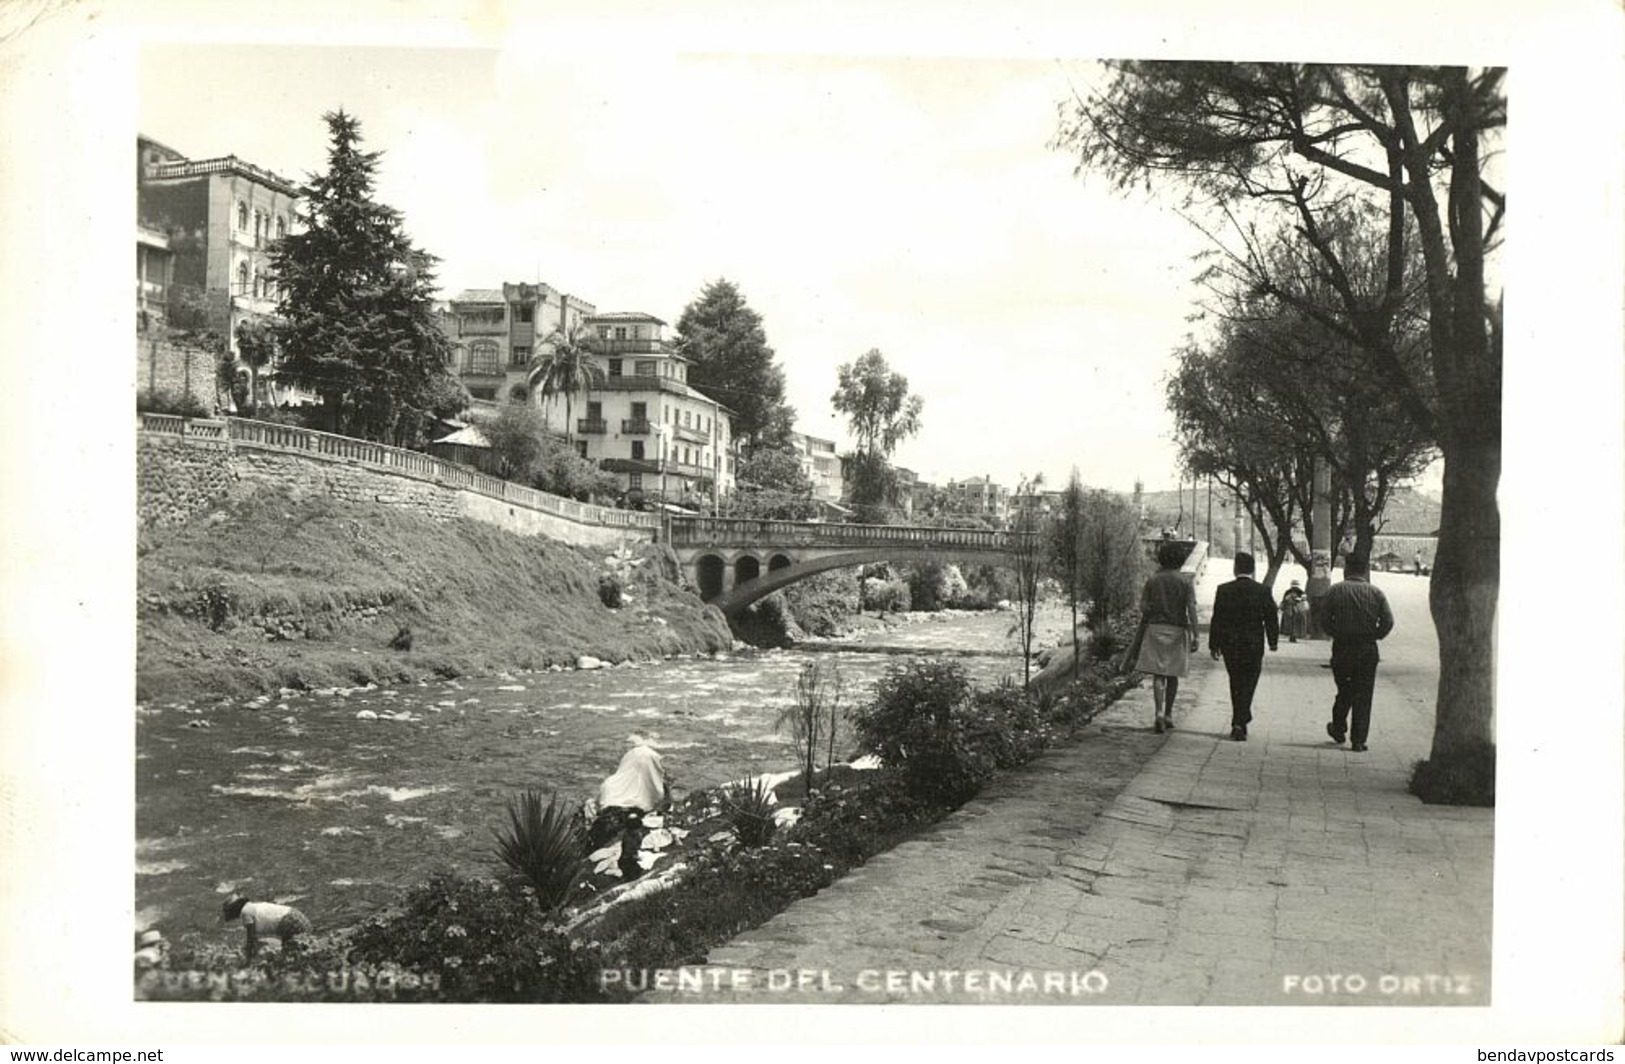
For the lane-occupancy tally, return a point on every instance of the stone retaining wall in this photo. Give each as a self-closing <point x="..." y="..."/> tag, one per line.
<point x="178" y="369"/>
<point x="180" y="475"/>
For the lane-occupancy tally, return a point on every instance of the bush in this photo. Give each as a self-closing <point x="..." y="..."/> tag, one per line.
<point x="610" y="591"/>
<point x="544" y="847"/>
<point x="1009" y="725"/>
<point x="921" y="720"/>
<point x="481" y="941"/>
<point x="934" y="586"/>
<point x="164" y="401"/>
<point x="885" y="596"/>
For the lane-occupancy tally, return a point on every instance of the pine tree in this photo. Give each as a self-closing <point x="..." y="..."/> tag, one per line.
<point x="731" y="362"/>
<point x="356" y="321"/>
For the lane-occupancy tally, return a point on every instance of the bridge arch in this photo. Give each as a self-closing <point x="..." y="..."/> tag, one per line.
<point x="745" y="593"/>
<point x="779" y="561"/>
<point x="709" y="572"/>
<point x="746" y="568"/>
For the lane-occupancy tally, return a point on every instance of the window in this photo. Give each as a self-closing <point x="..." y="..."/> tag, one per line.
<point x="595" y="411"/>
<point x="685" y="456"/>
<point x="667" y="409"/>
<point x="640" y="411"/>
<point x="637" y="450"/>
<point x="482" y="358"/>
<point x="242" y="278"/>
<point x="519" y="354"/>
<point x="644" y="367"/>
<point x="581" y="448"/>
<point x="281" y="227"/>
<point x="685" y="419"/>
<point x="603" y="332"/>
<point x="614" y="367"/>
<point x="242" y="215"/>
<point x="634" y="482"/>
<point x="525" y="313"/>
<point x="620" y="332"/>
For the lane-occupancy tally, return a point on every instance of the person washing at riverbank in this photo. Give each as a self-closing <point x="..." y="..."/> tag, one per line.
<point x="1168" y="618"/>
<point x="638" y="787"/>
<point x="1356" y="615"/>
<point x="1243" y="620"/>
<point x="265" y="918"/>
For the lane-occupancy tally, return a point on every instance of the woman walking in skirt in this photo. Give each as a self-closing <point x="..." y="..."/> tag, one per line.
<point x="1168" y="614"/>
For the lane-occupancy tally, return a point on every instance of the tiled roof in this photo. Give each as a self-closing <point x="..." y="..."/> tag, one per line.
<point x="479" y="295"/>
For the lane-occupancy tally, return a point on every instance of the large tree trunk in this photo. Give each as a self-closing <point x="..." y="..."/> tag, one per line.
<point x="1462" y="597"/>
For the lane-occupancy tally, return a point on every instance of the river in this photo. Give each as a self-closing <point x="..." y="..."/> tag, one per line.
<point x="337" y="799"/>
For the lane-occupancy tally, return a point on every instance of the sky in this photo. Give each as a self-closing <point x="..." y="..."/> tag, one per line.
<point x="912" y="205"/>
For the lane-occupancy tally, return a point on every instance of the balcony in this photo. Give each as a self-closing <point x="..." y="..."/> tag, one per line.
<point x="628" y="465"/>
<point x="467" y="327"/>
<point x="592" y="426"/>
<point x="600" y="346"/>
<point x="635" y="426"/>
<point x="691" y="435"/>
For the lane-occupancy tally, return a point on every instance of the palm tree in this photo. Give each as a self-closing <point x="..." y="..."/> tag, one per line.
<point x="567" y="370"/>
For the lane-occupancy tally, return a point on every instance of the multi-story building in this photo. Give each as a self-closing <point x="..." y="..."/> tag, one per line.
<point x="154" y="273"/>
<point x="822" y="466"/>
<point x="643" y="422"/>
<point x="217" y="219"/>
<point x="979" y="496"/>
<point x="495" y="333"/>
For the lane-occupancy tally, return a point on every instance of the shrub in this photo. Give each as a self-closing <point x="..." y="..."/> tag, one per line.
<point x="610" y="591"/>
<point x="480" y="941"/>
<point x="164" y="401"/>
<point x="543" y="847"/>
<point x="1008" y="725"/>
<point x="748" y="807"/>
<point x="921" y="720"/>
<point x="885" y="596"/>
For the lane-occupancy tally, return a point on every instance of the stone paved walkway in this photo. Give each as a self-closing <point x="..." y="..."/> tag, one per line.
<point x="1131" y="868"/>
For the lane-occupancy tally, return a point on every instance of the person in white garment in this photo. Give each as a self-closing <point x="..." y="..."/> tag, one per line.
<point x="265" y="919"/>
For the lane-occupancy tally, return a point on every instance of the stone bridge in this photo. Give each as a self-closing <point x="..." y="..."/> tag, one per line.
<point x="735" y="561"/>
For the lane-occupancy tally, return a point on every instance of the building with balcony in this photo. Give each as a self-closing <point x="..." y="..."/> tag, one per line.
<point x="822" y="466"/>
<point x="495" y="333"/>
<point x="216" y="219"/>
<point x="980" y="497"/>
<point x="154" y="273"/>
<point x="643" y="422"/>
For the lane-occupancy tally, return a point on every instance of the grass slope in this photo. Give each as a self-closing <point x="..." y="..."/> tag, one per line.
<point x="267" y="591"/>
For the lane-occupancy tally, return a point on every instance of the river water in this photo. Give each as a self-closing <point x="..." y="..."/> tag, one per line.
<point x="337" y="799"/>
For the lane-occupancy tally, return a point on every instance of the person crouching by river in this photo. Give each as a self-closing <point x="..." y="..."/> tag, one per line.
<point x="1168" y="612"/>
<point x="639" y="786"/>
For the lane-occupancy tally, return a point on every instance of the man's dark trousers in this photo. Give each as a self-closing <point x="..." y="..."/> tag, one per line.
<point x="1243" y="664"/>
<point x="1354" y="668"/>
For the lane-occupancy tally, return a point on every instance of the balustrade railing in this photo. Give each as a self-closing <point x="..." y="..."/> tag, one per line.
<point x="264" y="434"/>
<point x="699" y="531"/>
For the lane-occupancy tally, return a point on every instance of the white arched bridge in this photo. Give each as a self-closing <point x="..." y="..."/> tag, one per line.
<point x="735" y="561"/>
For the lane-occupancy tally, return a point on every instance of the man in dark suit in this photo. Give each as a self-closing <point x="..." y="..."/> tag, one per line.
<point x="1244" y="618"/>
